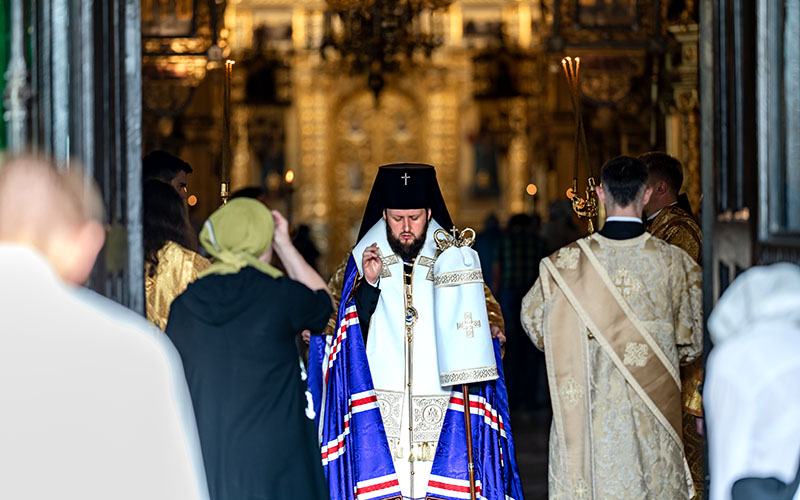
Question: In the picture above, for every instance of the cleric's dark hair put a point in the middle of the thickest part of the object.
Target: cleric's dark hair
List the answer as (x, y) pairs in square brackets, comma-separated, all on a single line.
[(664, 167), (164, 219), (163, 165), (623, 179)]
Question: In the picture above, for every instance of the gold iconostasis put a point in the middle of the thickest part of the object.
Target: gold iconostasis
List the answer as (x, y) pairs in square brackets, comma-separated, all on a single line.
[(322, 92)]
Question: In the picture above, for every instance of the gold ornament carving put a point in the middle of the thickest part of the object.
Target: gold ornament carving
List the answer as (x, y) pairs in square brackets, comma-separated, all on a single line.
[(632, 21)]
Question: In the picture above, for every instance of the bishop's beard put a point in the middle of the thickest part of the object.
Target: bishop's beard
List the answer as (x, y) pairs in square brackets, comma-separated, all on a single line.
[(410, 251)]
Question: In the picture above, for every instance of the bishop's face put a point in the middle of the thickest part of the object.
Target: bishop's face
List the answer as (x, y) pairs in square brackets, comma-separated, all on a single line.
[(406, 230)]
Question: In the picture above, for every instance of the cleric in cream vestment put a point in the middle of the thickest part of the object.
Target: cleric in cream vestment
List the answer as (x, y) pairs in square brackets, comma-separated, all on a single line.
[(616, 314)]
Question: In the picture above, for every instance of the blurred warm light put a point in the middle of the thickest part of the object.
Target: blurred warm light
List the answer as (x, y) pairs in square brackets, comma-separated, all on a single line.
[(192, 200), (289, 177), (531, 189)]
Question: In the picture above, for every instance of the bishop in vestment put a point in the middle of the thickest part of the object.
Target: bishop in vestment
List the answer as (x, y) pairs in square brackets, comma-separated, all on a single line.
[(616, 314), (673, 223), (394, 299)]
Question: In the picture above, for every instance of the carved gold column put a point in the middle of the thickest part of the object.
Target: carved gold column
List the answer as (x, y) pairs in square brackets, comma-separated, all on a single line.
[(312, 186), (242, 172), (517, 156), (442, 143), (683, 121)]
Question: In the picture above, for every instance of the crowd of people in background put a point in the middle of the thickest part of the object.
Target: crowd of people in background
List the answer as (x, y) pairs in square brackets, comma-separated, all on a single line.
[(510, 263)]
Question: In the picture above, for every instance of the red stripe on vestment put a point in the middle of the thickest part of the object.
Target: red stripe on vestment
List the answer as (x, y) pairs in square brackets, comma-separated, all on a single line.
[(349, 317), (453, 487), (380, 486), (364, 401), (334, 446), (484, 408)]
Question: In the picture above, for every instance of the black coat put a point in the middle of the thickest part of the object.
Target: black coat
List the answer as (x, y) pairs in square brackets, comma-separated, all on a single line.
[(236, 336)]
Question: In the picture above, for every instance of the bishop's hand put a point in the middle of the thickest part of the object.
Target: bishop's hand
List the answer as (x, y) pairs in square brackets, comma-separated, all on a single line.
[(372, 264), (497, 333)]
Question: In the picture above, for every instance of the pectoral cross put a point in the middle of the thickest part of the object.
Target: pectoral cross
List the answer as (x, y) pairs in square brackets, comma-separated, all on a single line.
[(405, 178), (468, 325)]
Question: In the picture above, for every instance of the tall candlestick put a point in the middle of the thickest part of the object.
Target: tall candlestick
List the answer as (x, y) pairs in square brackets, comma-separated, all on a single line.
[(583, 207), (225, 177)]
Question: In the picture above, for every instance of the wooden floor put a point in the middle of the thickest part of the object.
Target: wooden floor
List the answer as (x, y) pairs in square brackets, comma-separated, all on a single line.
[(531, 431)]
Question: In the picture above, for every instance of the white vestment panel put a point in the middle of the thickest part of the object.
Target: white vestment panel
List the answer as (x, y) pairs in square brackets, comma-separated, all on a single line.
[(463, 337), (94, 401)]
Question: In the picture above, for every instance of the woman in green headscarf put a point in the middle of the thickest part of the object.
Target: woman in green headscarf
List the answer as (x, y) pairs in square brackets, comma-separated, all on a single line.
[(235, 330)]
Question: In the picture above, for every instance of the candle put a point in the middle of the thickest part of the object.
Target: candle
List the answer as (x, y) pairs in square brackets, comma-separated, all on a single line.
[(225, 176)]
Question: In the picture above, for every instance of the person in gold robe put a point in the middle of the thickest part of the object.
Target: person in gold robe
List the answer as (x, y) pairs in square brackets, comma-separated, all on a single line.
[(672, 222), (171, 250), (616, 314)]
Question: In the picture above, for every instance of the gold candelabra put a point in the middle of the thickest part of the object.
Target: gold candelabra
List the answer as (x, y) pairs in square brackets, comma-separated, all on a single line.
[(584, 207)]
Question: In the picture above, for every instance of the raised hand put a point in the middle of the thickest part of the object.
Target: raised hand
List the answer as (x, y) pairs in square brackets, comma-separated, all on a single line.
[(281, 237), (372, 264)]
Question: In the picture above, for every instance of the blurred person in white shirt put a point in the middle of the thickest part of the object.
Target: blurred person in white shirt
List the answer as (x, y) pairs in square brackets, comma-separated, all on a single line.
[(94, 401), (752, 389)]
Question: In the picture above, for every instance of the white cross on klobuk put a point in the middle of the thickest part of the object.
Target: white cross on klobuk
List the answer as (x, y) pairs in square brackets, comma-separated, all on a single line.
[(405, 178), (468, 325)]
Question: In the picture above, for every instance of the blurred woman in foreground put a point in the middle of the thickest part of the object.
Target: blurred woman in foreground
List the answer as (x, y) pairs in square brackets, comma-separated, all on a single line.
[(235, 328)]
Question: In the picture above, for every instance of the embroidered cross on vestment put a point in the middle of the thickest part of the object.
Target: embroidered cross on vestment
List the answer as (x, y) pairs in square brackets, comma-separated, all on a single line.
[(468, 325), (387, 261)]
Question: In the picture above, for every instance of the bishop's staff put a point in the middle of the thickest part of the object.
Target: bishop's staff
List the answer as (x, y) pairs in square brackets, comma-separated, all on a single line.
[(225, 175), (583, 207), (463, 340)]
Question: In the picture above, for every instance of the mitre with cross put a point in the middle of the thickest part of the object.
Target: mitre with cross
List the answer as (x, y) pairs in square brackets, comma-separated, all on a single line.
[(463, 338), (405, 186)]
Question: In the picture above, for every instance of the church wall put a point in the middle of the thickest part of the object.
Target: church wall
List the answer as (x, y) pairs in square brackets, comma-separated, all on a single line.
[(74, 95)]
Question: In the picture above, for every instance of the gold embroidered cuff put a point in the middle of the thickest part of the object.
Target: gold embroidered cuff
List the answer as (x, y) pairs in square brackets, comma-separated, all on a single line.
[(473, 375)]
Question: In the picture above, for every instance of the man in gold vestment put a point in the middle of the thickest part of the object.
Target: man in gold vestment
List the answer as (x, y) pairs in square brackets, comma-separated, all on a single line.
[(616, 314), (667, 220)]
